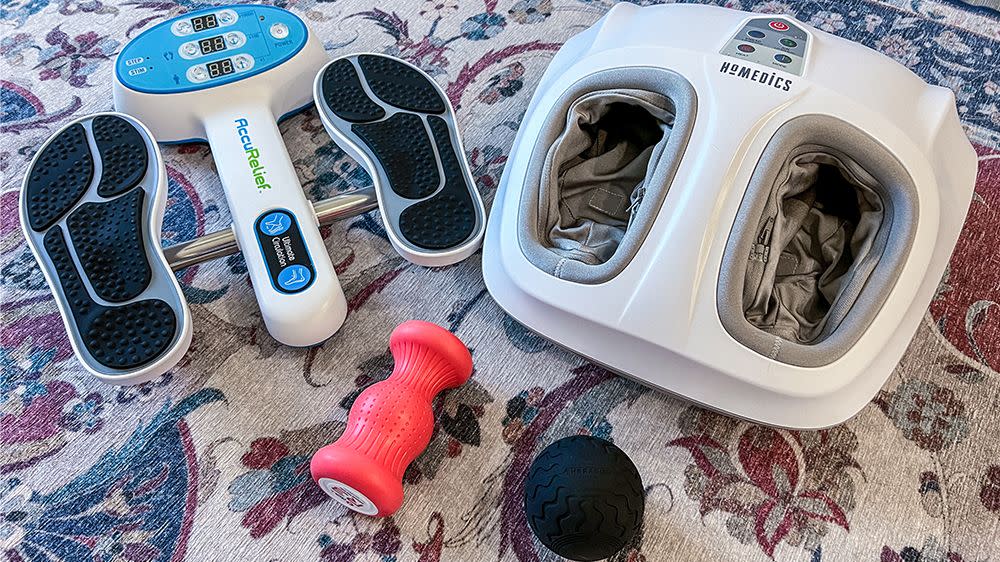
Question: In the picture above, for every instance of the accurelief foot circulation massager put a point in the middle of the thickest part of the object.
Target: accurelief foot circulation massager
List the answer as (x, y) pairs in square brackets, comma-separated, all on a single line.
[(737, 208), (224, 75), (92, 202)]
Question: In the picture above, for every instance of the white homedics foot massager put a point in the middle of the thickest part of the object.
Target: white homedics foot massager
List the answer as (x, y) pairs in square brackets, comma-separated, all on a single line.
[(736, 208), (93, 200)]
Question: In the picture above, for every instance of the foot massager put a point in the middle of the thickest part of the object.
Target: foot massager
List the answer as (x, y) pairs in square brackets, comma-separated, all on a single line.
[(92, 202), (737, 208)]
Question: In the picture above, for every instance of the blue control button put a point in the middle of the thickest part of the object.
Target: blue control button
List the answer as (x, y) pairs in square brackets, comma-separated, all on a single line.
[(756, 34), (294, 277), (785, 59), (275, 224)]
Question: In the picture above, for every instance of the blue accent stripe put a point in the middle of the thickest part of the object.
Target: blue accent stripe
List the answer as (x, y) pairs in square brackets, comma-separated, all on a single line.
[(160, 69)]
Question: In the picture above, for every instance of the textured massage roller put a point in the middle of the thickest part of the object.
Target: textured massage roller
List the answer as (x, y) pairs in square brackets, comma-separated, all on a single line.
[(392, 421), (93, 200)]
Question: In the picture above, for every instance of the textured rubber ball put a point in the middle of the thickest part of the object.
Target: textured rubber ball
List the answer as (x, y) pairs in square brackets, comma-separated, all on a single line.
[(583, 498)]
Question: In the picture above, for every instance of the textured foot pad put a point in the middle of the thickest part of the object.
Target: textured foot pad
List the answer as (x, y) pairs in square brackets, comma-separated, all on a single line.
[(344, 95), (399, 84), (59, 178), (402, 146), (451, 215), (122, 337), (394, 114), (123, 155), (109, 244), (88, 199)]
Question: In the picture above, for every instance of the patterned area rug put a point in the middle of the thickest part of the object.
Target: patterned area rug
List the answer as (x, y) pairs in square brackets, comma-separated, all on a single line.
[(211, 461)]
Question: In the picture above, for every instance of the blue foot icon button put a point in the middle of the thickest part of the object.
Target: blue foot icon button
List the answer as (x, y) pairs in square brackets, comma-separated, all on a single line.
[(294, 278), (275, 224)]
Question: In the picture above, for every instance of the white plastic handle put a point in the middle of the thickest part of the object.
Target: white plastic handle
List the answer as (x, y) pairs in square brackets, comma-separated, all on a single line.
[(300, 296)]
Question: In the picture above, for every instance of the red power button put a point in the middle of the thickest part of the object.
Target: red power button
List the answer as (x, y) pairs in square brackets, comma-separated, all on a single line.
[(778, 26)]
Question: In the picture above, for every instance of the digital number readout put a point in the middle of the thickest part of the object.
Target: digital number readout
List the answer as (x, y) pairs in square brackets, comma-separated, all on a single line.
[(201, 23), (220, 68), (212, 44)]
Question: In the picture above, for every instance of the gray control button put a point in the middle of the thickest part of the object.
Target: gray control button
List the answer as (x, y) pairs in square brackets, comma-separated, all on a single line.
[(279, 31), (242, 62), (197, 73)]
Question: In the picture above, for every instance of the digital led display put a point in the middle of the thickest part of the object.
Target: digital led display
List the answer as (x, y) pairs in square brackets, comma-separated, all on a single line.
[(207, 21), (220, 68), (212, 44)]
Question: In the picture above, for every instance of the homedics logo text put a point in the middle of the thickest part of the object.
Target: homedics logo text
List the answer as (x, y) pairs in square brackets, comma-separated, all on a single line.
[(756, 75)]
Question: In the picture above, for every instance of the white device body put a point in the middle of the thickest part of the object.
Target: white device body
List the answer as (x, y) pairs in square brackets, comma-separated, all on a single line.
[(216, 114), (657, 321)]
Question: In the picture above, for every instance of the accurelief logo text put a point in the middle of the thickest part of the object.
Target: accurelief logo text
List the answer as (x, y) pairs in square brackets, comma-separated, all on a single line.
[(253, 155)]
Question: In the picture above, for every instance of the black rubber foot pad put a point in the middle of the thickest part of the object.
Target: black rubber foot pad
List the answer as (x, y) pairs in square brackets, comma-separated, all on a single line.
[(448, 218), (59, 178), (109, 245), (401, 145), (122, 337), (123, 155), (344, 95), (400, 85), (90, 196), (423, 184)]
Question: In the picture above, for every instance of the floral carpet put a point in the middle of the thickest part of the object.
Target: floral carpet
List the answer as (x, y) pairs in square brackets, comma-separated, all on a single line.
[(210, 462)]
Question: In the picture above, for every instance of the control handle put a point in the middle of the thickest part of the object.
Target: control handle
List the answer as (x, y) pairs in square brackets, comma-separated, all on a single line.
[(300, 297)]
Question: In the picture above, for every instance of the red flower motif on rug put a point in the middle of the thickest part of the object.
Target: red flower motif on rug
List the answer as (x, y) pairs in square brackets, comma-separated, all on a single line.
[(776, 485), (965, 309)]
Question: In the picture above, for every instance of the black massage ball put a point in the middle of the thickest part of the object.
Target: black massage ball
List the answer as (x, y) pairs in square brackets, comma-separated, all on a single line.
[(583, 498)]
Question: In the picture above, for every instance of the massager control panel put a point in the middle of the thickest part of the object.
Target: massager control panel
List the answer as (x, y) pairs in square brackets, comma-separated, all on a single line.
[(285, 253), (771, 41), (209, 48)]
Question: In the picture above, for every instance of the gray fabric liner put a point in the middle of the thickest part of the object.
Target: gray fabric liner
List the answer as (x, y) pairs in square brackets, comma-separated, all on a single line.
[(862, 289), (595, 173), (818, 240), (660, 91)]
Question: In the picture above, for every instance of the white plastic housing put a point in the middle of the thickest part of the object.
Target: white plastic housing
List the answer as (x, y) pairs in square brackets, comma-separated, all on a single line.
[(300, 319), (657, 321)]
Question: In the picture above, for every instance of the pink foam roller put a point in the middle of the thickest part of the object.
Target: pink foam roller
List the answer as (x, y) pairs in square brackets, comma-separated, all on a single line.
[(392, 421)]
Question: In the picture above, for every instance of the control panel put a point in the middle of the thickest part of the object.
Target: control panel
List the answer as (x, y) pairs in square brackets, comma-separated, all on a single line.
[(771, 41), (209, 48), (288, 262)]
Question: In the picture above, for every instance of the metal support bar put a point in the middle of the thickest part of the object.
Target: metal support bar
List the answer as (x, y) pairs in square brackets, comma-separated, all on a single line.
[(223, 243)]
